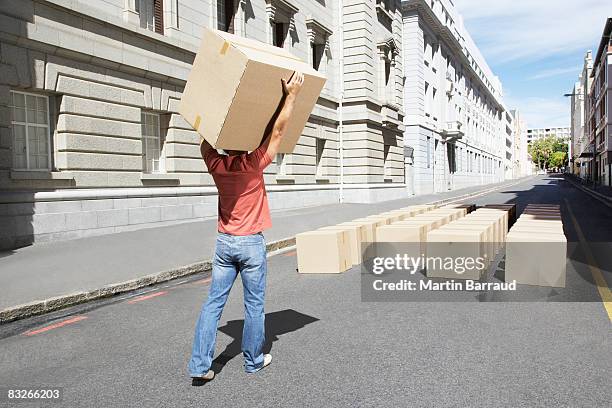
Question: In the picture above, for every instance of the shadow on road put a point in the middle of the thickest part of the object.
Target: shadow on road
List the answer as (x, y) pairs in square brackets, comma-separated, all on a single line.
[(277, 324)]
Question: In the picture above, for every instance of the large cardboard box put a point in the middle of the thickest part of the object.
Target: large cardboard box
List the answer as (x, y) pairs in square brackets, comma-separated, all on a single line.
[(536, 258), (406, 232), (490, 227), (323, 251), (444, 243), (234, 90), (355, 235)]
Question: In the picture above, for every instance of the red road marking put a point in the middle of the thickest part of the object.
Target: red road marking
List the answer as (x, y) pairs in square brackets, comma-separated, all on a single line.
[(205, 280), (291, 253), (145, 297), (55, 325)]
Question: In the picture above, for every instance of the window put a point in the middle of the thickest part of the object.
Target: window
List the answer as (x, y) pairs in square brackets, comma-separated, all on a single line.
[(386, 162), (317, 54), (281, 164), (428, 153), (387, 71), (225, 15), (151, 14), (31, 137), (279, 32), (151, 143), (320, 149)]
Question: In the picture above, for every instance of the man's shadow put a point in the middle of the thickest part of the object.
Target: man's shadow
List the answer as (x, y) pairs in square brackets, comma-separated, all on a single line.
[(277, 324)]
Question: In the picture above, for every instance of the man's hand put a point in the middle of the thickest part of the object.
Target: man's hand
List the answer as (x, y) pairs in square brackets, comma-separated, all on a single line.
[(294, 85), (291, 88)]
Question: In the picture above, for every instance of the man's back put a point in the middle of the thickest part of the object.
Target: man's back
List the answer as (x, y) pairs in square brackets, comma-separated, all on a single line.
[(243, 202)]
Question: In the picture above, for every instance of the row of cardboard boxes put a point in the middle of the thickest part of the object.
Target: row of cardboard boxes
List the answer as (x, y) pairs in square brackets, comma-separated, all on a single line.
[(458, 231), (336, 248), (536, 253)]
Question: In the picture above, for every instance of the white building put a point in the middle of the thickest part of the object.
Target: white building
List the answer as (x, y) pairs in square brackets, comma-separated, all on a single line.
[(455, 120), (522, 164), (509, 144), (562, 133), (91, 141)]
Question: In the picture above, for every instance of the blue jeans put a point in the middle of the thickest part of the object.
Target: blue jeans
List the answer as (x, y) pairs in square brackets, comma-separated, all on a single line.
[(233, 254)]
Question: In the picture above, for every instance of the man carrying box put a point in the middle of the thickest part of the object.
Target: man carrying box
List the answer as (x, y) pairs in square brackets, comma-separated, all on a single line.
[(240, 247)]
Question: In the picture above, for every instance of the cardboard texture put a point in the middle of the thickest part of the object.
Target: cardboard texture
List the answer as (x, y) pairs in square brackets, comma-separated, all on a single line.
[(438, 220), (387, 218), (234, 89), (442, 243), (429, 225), (455, 213), (497, 220), (504, 215), (355, 235), (323, 251), (511, 208), (491, 244), (469, 207), (374, 223), (530, 262), (367, 227), (409, 239)]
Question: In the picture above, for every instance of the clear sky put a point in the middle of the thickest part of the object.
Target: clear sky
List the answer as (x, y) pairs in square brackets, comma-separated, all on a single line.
[(537, 49)]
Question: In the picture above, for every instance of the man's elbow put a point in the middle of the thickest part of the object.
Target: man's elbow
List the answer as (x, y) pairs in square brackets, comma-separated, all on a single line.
[(277, 134)]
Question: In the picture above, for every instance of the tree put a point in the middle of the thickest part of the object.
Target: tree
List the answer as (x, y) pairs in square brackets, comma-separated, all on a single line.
[(558, 159), (540, 151), (548, 151)]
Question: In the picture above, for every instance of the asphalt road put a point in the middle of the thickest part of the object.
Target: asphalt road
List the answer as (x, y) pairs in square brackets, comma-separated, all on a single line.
[(330, 348)]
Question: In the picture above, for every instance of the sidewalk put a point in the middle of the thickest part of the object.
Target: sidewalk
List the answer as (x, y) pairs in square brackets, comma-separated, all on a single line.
[(49, 276), (602, 193)]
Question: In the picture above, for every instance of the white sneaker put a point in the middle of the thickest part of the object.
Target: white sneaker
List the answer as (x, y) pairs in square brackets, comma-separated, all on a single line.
[(267, 361), (207, 377)]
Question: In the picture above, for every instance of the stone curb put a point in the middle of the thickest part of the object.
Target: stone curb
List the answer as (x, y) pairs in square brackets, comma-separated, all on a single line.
[(598, 196), (39, 307)]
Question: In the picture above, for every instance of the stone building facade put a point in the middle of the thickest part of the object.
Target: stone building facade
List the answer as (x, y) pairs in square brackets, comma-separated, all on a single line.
[(91, 141), (456, 127), (599, 119)]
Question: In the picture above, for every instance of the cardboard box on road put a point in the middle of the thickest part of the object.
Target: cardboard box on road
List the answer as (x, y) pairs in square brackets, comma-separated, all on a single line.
[(355, 233), (234, 90), (405, 232), (444, 243), (323, 251), (490, 227), (536, 258)]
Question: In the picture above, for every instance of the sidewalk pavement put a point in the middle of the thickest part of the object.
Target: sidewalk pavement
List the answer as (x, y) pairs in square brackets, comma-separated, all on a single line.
[(601, 193), (49, 276)]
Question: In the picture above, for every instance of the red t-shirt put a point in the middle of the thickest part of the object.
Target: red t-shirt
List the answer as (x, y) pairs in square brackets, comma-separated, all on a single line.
[(243, 202)]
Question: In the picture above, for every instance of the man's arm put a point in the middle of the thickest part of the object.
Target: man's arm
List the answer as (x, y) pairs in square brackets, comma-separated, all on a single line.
[(204, 147), (291, 89)]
